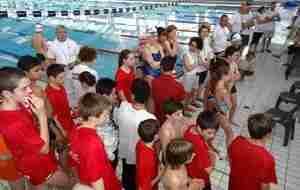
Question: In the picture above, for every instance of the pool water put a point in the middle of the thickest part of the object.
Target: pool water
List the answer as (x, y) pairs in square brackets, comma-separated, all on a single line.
[(15, 34)]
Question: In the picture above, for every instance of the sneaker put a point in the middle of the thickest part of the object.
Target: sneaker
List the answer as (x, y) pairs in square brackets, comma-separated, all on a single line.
[(268, 50)]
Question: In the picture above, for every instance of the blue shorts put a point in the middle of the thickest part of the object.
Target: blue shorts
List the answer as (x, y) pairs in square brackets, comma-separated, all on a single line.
[(150, 71)]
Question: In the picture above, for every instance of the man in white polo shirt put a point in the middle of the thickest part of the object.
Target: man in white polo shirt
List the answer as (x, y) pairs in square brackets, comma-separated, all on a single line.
[(221, 36), (128, 118), (62, 50)]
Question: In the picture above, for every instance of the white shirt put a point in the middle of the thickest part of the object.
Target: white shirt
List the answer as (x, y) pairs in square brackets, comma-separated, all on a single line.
[(221, 35), (128, 120), (63, 52), (77, 87), (207, 51), (237, 20)]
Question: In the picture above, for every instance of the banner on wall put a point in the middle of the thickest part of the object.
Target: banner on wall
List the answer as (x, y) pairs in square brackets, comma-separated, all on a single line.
[(39, 13)]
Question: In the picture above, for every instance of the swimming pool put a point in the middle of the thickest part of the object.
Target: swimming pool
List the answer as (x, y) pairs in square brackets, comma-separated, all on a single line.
[(113, 31)]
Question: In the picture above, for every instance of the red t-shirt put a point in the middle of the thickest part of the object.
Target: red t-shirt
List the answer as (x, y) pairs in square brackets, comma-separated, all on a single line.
[(146, 166), (22, 137), (60, 105), (88, 154), (124, 82), (251, 165), (201, 161), (164, 88)]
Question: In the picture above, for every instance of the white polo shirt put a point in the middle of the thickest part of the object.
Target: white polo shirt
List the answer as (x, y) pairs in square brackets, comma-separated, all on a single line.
[(128, 120), (63, 52), (220, 37)]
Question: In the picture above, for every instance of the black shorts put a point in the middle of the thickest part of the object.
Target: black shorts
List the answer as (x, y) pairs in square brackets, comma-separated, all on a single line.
[(245, 40), (256, 37), (233, 90), (202, 77)]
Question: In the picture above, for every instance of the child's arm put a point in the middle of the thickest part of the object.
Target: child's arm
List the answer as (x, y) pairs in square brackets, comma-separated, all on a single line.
[(229, 135), (186, 63), (161, 171), (196, 184), (37, 105), (59, 126), (147, 55), (98, 185)]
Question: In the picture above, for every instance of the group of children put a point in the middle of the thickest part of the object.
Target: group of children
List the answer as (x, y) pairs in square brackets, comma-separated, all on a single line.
[(52, 141)]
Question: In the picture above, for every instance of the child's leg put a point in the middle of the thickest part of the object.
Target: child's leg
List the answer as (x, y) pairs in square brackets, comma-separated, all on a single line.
[(234, 103), (19, 184), (59, 179)]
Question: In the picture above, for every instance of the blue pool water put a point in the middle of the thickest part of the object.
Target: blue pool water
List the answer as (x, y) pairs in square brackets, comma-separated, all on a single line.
[(15, 35)]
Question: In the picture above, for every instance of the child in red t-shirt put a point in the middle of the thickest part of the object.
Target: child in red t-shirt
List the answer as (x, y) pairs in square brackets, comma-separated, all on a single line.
[(27, 138), (125, 75), (179, 152), (86, 148), (199, 135), (252, 166), (58, 99), (147, 163)]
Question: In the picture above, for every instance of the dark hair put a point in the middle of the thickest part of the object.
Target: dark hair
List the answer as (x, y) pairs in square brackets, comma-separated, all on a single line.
[(148, 129), (123, 55), (223, 16), (198, 41), (92, 104), (170, 106), (218, 68), (161, 31), (259, 125), (87, 54), (41, 57), (208, 120), (170, 28), (168, 63), (87, 78), (10, 78), (105, 86), (229, 51), (27, 62), (55, 69), (178, 152), (261, 9), (201, 28), (140, 90)]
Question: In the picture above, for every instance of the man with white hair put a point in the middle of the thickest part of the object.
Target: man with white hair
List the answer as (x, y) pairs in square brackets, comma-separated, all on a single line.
[(39, 43), (62, 50)]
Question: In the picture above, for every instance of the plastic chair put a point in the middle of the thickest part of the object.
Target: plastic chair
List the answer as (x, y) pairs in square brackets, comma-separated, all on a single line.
[(285, 119)]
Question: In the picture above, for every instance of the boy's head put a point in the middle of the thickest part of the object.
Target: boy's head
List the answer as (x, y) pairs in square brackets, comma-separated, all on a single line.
[(14, 85), (140, 90), (55, 73), (167, 64), (87, 79), (259, 126), (31, 66), (87, 54), (94, 107), (178, 153), (232, 53), (173, 109), (148, 130), (107, 87), (208, 122)]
